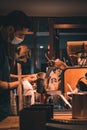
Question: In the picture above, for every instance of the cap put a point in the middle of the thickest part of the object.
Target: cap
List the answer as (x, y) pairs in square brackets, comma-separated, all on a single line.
[(18, 19)]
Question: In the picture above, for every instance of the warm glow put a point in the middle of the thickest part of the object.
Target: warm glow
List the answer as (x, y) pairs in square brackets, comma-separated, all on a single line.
[(48, 47), (36, 62), (27, 31), (66, 26)]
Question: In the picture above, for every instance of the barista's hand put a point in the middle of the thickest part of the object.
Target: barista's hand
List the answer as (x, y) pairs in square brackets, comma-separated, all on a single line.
[(30, 78)]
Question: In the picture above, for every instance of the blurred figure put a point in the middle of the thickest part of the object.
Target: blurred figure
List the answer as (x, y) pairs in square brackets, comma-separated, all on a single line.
[(22, 55), (13, 29)]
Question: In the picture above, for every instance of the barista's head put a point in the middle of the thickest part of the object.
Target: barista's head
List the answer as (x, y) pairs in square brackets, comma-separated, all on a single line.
[(16, 25)]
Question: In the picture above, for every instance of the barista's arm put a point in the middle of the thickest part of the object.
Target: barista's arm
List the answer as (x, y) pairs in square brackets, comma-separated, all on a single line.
[(9, 85), (29, 77), (17, 76)]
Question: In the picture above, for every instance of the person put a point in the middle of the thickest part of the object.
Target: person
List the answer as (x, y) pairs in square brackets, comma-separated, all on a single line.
[(22, 55), (13, 29)]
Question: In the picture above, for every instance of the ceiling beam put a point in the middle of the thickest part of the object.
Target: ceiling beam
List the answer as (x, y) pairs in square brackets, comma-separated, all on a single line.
[(55, 8)]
